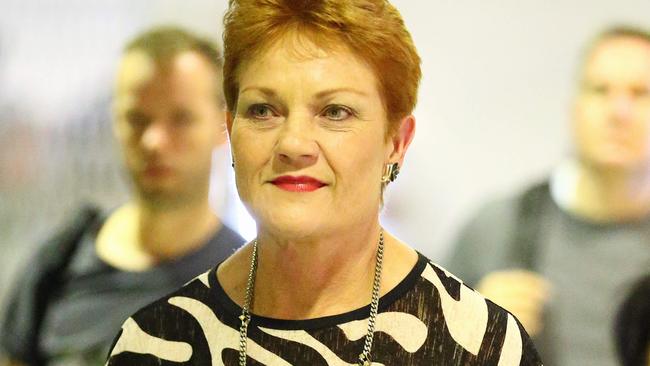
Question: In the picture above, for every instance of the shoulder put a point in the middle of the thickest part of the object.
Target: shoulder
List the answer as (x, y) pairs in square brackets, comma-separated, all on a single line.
[(226, 235), (226, 232), (505, 210), (476, 323), (55, 251), (167, 329), (64, 239), (29, 296), (492, 230), (196, 291)]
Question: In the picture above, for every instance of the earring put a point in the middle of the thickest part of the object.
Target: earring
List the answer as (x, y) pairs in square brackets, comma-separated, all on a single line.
[(391, 172)]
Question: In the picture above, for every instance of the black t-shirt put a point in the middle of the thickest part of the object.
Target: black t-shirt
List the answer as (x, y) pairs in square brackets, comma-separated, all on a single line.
[(93, 299), (430, 318)]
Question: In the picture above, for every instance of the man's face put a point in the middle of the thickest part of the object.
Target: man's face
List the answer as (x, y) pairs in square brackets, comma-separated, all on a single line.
[(168, 121), (612, 109)]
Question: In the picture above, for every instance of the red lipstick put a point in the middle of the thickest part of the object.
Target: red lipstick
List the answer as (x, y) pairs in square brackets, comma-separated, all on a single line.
[(297, 184)]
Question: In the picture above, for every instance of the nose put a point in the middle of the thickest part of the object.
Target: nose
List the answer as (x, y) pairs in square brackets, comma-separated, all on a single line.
[(296, 145), (621, 107), (155, 137)]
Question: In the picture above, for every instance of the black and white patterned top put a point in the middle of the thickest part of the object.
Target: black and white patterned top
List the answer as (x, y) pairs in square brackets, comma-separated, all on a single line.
[(430, 318)]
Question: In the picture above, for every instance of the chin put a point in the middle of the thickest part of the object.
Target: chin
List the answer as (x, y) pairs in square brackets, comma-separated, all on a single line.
[(293, 222), (619, 162), (161, 194), (295, 225)]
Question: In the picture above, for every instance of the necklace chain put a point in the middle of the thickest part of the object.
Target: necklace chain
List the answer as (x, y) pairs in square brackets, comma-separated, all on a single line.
[(245, 317)]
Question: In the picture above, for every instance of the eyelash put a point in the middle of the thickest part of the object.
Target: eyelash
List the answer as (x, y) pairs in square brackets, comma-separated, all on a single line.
[(339, 107), (250, 112), (251, 109)]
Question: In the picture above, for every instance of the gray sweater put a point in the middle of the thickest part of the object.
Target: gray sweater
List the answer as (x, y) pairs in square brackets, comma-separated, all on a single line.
[(591, 267)]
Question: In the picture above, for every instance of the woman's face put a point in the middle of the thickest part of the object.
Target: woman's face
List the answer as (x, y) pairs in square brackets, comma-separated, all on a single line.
[(308, 140)]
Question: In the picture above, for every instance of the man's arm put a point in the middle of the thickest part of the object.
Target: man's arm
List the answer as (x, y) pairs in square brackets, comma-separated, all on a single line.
[(483, 258)]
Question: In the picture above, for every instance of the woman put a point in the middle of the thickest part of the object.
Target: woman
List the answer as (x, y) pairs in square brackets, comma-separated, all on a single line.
[(320, 95), (632, 326)]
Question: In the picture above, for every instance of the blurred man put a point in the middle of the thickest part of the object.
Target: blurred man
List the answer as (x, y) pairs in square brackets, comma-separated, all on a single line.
[(168, 119), (562, 255)]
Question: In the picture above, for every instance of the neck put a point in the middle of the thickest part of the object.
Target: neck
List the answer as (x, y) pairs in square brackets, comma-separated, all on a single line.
[(314, 278), (301, 280), (611, 195), (171, 232)]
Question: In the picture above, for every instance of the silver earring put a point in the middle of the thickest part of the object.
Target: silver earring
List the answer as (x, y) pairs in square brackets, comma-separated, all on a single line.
[(391, 172)]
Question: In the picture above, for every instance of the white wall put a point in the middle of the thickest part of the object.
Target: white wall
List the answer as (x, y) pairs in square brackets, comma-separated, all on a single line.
[(494, 103), (493, 106)]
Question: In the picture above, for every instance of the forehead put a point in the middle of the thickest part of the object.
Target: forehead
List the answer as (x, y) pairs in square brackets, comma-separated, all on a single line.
[(294, 61), (139, 72), (622, 58)]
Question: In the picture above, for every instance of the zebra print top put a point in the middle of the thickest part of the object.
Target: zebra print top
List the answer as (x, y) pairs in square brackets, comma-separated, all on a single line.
[(430, 318)]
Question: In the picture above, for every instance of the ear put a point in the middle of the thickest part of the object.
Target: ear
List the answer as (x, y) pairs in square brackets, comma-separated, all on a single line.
[(401, 140)]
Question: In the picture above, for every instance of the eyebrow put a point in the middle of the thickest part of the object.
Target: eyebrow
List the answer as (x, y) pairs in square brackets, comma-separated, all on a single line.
[(266, 91), (320, 95)]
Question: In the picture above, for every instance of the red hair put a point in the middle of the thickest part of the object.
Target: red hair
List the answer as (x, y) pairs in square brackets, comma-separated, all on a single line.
[(373, 30)]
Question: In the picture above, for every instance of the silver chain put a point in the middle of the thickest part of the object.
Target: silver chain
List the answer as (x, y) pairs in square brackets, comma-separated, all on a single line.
[(245, 317)]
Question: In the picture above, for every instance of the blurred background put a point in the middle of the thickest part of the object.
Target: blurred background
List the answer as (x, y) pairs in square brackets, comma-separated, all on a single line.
[(492, 115)]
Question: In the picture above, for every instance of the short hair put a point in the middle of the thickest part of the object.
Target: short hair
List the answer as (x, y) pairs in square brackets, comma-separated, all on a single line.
[(372, 29), (632, 326), (163, 43), (617, 31), (622, 31)]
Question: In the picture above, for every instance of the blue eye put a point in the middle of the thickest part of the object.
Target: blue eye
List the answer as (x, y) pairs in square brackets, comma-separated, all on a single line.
[(337, 112), (260, 111)]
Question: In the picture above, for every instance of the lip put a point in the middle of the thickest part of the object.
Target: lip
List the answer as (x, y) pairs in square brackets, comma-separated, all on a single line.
[(157, 171), (301, 183)]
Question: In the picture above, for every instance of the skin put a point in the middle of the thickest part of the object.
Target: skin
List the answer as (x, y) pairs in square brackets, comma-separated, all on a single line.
[(324, 119), (167, 121), (611, 125), (612, 132)]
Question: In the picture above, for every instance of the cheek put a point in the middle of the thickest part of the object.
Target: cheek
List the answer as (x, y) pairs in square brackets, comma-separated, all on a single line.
[(247, 148), (641, 132), (643, 119), (129, 143), (587, 121), (124, 134), (249, 152), (358, 164)]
